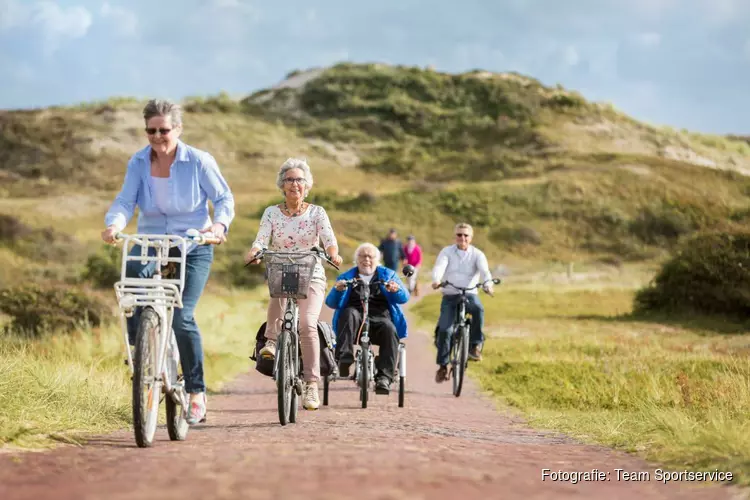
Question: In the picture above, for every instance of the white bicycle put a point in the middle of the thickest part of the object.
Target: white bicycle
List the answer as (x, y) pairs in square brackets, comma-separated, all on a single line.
[(155, 362)]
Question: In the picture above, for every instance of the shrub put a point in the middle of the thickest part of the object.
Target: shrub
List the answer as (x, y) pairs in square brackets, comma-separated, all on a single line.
[(35, 309), (103, 268), (658, 225), (709, 274), (12, 229), (518, 235)]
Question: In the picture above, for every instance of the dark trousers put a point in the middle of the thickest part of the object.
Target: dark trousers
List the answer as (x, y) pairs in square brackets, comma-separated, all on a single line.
[(382, 333), (185, 328)]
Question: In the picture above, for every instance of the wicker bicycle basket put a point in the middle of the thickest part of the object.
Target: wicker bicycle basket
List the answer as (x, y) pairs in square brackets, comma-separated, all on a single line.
[(289, 275)]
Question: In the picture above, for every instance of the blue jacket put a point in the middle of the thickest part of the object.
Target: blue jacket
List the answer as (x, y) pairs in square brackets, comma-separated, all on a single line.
[(338, 300)]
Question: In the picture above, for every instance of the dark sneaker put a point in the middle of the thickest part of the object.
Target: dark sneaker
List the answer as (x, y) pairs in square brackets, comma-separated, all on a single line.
[(382, 386), (475, 353), (442, 374)]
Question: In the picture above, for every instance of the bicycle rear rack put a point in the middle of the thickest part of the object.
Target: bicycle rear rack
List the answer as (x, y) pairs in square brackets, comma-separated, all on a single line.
[(134, 292)]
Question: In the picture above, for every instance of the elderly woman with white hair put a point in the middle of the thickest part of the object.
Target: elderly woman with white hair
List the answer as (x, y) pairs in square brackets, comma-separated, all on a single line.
[(296, 226), (387, 322)]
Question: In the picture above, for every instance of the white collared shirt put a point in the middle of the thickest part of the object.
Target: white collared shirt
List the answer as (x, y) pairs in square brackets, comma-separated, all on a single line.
[(461, 267)]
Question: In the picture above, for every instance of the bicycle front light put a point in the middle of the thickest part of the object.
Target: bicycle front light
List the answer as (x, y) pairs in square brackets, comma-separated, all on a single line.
[(127, 302)]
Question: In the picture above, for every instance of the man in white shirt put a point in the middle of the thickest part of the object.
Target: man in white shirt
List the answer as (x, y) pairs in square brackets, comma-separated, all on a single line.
[(461, 264)]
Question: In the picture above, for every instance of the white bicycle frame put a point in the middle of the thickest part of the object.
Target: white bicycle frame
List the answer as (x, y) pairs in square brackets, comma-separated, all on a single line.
[(163, 295)]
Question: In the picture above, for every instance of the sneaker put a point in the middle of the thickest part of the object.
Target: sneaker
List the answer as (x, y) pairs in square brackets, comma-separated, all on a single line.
[(442, 374), (382, 385), (475, 353), (197, 410), (269, 350), (310, 400)]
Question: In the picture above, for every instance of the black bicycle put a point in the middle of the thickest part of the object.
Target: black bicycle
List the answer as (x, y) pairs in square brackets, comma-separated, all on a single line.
[(289, 275), (364, 358), (459, 351)]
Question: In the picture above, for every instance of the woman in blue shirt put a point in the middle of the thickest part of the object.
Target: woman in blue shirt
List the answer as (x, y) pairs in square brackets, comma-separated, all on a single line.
[(171, 183)]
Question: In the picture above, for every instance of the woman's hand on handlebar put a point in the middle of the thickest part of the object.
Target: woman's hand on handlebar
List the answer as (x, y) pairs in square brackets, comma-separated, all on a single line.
[(219, 232), (108, 235), (333, 255), (250, 256), (436, 285)]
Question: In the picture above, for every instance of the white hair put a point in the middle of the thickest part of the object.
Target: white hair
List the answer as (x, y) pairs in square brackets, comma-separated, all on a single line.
[(367, 246), (292, 163)]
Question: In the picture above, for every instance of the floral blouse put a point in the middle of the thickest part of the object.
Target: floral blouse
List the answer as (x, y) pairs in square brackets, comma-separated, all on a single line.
[(296, 234)]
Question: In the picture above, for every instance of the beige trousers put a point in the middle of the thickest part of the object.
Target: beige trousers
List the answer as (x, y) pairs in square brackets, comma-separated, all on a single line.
[(309, 312)]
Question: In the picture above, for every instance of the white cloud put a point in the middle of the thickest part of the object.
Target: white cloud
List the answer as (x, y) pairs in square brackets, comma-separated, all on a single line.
[(57, 23), (647, 39), (125, 21), (73, 22)]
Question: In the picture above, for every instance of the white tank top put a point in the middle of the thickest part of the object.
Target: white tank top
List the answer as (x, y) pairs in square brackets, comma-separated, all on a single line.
[(160, 189)]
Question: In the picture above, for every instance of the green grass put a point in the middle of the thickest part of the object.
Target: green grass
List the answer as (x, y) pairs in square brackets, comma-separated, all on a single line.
[(64, 388), (573, 360)]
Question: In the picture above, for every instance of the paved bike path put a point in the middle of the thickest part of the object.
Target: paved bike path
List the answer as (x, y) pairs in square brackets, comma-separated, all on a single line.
[(436, 447)]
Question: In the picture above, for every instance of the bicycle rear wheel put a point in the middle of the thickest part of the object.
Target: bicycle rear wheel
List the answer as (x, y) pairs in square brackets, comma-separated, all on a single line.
[(460, 357), (283, 377), (146, 387), (177, 425)]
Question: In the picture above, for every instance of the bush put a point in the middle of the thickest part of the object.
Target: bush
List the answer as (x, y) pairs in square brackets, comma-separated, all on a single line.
[(516, 235), (35, 309), (12, 229), (659, 225), (709, 274), (103, 269)]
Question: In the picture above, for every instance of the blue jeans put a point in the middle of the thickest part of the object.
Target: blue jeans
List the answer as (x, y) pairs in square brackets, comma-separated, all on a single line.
[(183, 322), (448, 308)]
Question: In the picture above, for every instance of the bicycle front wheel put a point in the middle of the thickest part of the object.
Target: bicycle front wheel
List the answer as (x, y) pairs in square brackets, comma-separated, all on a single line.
[(364, 352), (146, 387), (460, 358), (284, 377)]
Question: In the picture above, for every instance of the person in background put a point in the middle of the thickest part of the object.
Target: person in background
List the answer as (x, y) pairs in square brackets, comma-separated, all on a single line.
[(392, 250), (461, 264), (413, 257)]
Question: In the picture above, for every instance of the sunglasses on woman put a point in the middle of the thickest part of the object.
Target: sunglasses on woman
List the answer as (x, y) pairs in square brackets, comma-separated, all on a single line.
[(162, 131)]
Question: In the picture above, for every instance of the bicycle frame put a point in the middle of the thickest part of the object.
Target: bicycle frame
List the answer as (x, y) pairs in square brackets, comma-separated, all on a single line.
[(161, 294)]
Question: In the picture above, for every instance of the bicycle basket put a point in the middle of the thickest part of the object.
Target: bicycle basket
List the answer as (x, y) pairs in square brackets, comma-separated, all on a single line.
[(289, 275)]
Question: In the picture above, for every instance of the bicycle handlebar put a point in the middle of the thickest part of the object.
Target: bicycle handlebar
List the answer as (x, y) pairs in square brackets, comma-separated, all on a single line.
[(192, 236), (463, 289), (317, 251)]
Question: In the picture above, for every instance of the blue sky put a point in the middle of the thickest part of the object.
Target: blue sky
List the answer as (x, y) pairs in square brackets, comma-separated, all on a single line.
[(684, 63)]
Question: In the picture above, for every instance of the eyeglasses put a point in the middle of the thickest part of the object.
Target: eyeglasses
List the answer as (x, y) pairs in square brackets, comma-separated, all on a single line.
[(291, 180), (162, 131), (462, 235), (366, 256)]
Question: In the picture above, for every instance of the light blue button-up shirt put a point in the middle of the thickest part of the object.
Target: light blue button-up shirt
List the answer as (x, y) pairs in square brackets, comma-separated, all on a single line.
[(193, 180)]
